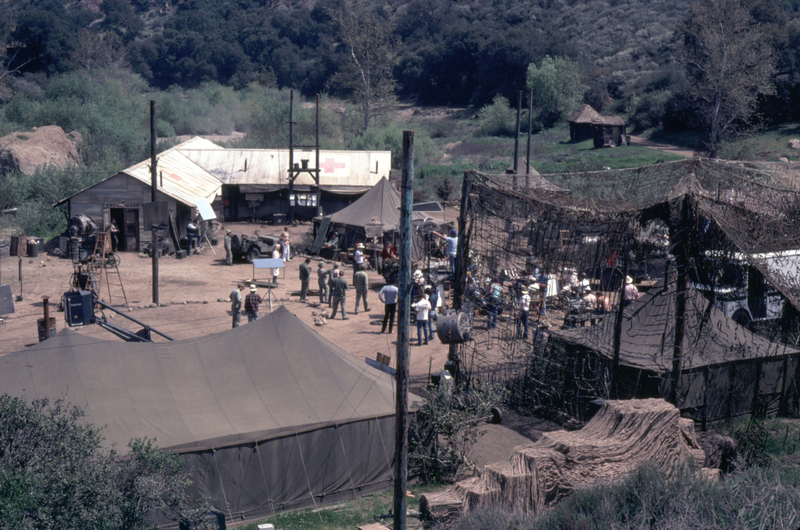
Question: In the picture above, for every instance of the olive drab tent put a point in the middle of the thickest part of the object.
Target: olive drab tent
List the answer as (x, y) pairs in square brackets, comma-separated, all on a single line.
[(270, 416)]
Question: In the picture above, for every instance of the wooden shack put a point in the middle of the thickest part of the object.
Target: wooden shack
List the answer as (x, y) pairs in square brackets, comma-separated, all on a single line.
[(606, 131)]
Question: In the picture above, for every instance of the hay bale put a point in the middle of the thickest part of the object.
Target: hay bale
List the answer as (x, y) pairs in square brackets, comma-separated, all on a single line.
[(621, 437)]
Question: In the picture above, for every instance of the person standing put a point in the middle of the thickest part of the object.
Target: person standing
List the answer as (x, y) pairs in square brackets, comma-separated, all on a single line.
[(334, 270), (236, 304), (361, 283), (228, 242), (631, 293), (433, 297), (338, 295), (286, 241), (305, 277), (114, 229), (251, 303), (452, 247), (422, 307), (192, 234), (524, 310), (358, 259), (276, 254), (322, 282), (493, 294), (388, 295), (543, 279)]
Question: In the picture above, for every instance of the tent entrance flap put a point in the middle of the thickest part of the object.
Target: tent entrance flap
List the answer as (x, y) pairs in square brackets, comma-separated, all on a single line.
[(322, 231)]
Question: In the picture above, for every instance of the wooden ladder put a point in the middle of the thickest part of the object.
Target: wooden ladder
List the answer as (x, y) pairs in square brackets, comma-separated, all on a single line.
[(103, 269)]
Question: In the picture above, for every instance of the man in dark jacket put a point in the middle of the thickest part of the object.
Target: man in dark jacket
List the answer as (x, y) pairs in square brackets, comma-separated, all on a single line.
[(338, 295), (251, 303), (305, 277)]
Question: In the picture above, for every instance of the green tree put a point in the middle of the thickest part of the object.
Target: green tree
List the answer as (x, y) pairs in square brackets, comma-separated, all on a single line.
[(55, 474), (729, 65), (498, 118), (558, 88), (371, 46)]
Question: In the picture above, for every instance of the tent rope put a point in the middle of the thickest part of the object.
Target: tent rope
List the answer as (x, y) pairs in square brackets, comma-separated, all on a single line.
[(266, 485), (305, 472)]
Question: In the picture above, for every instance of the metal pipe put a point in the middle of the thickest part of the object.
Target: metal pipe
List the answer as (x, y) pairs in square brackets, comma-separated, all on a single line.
[(403, 334), (117, 311)]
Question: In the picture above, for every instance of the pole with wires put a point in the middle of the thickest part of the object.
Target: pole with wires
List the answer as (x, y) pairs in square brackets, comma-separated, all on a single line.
[(403, 335)]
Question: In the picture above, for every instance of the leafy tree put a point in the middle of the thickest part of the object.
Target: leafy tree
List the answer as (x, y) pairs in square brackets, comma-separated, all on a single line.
[(557, 88), (498, 119), (371, 44), (729, 65), (55, 474)]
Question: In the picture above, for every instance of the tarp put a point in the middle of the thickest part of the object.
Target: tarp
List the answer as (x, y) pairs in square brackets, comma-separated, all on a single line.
[(270, 415), (648, 334), (381, 202)]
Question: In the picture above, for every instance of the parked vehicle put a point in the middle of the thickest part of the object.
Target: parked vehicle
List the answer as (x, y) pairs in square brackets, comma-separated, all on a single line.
[(253, 247)]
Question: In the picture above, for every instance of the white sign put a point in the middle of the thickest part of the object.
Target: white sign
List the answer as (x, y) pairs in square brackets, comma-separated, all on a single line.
[(254, 197)]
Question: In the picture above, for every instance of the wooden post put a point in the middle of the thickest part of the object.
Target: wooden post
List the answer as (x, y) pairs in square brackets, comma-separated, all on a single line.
[(46, 306), (528, 154), (618, 334), (153, 196), (682, 265), (403, 335), (292, 174)]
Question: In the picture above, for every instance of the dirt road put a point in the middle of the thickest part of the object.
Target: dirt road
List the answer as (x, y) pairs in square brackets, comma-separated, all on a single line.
[(667, 148)]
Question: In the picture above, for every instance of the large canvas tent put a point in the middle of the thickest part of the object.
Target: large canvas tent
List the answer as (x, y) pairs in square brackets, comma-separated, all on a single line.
[(379, 206), (269, 416), (716, 350)]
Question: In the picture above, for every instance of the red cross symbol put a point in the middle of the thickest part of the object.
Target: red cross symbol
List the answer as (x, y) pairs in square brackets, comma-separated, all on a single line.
[(329, 165)]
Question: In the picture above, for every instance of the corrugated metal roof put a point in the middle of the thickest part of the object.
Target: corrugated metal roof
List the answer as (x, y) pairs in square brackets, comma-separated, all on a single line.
[(270, 166), (178, 176)]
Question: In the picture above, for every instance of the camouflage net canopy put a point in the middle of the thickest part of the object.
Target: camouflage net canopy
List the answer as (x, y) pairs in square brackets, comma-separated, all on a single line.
[(712, 247)]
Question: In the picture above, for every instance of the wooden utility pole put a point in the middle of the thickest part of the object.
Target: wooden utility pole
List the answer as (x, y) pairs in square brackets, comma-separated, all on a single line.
[(403, 335), (528, 154), (153, 195)]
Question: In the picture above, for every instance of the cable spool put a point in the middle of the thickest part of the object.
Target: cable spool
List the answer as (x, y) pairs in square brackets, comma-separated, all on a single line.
[(454, 328), (426, 230)]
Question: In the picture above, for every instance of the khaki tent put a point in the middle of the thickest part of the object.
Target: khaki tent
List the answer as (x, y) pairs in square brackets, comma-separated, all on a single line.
[(270, 416)]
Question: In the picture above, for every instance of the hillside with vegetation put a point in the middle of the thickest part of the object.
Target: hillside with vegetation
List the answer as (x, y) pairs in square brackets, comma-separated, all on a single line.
[(91, 66)]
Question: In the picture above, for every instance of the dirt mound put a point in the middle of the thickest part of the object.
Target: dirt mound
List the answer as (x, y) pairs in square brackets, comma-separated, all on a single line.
[(26, 151), (623, 436)]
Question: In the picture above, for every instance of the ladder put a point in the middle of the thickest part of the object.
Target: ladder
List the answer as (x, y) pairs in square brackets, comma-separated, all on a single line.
[(103, 269)]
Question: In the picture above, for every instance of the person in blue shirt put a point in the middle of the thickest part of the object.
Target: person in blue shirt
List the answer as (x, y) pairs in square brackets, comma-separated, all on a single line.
[(452, 246)]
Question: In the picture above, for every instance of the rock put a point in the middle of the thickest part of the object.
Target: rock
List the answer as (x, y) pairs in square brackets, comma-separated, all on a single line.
[(784, 159), (26, 151), (794, 143)]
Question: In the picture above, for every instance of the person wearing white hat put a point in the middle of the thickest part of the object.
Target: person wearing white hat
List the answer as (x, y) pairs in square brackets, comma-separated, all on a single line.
[(358, 259), (251, 303), (630, 293)]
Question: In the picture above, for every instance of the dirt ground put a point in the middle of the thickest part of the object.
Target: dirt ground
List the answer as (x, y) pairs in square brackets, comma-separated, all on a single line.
[(194, 301)]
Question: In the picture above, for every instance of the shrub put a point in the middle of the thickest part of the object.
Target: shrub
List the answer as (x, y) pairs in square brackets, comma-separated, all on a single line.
[(498, 119)]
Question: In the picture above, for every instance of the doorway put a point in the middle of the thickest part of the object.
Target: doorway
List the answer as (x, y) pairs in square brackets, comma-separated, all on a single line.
[(128, 222)]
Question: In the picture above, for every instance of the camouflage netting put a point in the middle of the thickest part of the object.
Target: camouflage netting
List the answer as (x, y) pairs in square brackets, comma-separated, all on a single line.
[(713, 248), (623, 436)]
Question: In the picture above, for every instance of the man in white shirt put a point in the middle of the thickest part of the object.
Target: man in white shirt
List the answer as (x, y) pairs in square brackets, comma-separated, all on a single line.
[(388, 295), (631, 293), (422, 307), (524, 310)]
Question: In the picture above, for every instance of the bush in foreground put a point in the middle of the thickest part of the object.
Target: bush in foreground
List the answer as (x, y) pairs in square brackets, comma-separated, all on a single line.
[(752, 498), (54, 473)]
